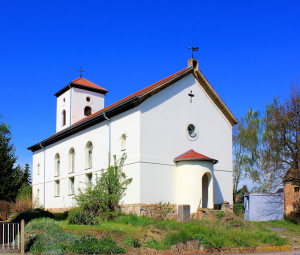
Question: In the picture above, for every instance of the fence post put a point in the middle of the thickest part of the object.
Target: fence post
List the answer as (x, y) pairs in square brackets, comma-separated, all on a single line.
[(22, 236)]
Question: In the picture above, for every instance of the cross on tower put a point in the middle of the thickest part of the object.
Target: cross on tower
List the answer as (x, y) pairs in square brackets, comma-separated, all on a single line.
[(191, 95), (81, 71)]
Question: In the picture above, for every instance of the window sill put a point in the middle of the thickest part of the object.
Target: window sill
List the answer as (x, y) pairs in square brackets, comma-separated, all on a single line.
[(56, 195), (88, 168), (72, 194)]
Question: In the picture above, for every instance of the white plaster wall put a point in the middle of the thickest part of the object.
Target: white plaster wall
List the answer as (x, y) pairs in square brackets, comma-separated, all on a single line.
[(60, 106), (99, 136), (189, 183), (79, 103), (164, 118), (38, 179)]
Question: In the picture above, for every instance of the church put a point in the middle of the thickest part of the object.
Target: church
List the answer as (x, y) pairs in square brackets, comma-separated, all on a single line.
[(176, 134)]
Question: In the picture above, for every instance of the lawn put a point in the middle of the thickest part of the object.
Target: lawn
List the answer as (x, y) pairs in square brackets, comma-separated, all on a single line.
[(164, 234), (285, 229), (130, 233)]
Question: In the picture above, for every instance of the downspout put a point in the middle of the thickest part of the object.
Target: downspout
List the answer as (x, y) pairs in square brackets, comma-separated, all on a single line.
[(109, 138), (44, 177)]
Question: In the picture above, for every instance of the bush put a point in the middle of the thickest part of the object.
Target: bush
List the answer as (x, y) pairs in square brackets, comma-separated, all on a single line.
[(78, 217), (32, 214), (102, 199), (239, 209), (61, 215), (44, 236), (88, 244)]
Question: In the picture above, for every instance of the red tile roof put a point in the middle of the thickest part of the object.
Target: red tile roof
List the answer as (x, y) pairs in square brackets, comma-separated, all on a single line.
[(85, 82), (138, 93), (160, 84), (193, 155)]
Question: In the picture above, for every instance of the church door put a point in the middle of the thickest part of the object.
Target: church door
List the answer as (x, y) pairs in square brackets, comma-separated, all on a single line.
[(205, 180)]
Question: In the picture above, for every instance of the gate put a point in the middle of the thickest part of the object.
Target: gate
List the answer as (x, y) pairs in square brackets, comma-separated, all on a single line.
[(12, 237)]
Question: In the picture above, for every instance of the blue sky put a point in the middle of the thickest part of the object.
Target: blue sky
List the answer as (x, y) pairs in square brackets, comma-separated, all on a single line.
[(248, 50)]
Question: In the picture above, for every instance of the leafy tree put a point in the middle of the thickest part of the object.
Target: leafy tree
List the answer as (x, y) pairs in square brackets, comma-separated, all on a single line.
[(284, 132), (12, 178), (238, 161), (103, 198), (258, 160)]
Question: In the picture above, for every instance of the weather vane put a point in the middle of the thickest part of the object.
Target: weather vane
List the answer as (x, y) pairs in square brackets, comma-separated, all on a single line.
[(81, 71), (193, 49)]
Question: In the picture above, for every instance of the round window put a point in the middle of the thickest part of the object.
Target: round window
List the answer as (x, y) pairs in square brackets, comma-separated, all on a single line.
[(88, 99), (191, 130)]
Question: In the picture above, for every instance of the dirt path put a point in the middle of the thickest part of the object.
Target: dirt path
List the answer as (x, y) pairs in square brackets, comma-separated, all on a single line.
[(293, 236)]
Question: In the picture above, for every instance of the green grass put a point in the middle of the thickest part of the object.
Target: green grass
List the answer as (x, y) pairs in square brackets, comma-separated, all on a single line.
[(284, 228), (162, 234), (281, 223), (134, 232)]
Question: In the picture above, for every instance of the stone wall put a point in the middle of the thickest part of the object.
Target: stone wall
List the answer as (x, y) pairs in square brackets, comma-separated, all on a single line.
[(55, 210), (160, 210), (290, 197)]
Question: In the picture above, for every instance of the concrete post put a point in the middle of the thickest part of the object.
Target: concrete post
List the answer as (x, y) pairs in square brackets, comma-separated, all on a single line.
[(22, 236), (184, 212)]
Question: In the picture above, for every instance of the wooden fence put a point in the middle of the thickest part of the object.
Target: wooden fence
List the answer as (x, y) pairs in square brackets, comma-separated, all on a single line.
[(12, 238)]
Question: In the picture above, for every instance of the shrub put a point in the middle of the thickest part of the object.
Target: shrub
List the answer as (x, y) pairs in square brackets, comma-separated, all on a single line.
[(78, 217), (102, 199), (88, 244), (61, 215), (44, 236), (238, 209), (32, 214)]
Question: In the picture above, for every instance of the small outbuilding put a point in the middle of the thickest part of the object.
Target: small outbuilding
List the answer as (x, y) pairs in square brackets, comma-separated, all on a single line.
[(263, 206)]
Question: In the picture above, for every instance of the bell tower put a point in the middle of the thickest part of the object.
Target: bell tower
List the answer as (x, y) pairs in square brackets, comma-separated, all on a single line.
[(76, 101)]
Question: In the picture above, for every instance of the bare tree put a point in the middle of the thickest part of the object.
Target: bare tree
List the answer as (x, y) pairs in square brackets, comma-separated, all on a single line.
[(284, 132), (238, 161)]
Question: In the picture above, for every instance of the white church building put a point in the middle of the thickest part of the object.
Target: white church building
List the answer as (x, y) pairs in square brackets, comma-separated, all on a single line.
[(176, 133)]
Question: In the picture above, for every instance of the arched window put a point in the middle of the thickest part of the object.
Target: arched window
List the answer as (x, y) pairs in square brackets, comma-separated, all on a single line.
[(87, 111), (123, 142), (89, 155), (63, 117), (38, 195), (71, 160), (57, 164), (38, 169)]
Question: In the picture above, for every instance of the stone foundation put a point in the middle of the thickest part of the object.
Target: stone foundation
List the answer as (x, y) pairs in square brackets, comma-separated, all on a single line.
[(60, 210), (160, 210)]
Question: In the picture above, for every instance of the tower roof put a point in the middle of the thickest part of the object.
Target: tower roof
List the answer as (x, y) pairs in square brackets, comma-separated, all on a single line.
[(193, 155), (82, 84), (133, 100)]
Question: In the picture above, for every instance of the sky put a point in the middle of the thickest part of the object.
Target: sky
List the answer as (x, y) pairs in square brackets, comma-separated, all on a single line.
[(248, 50)]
